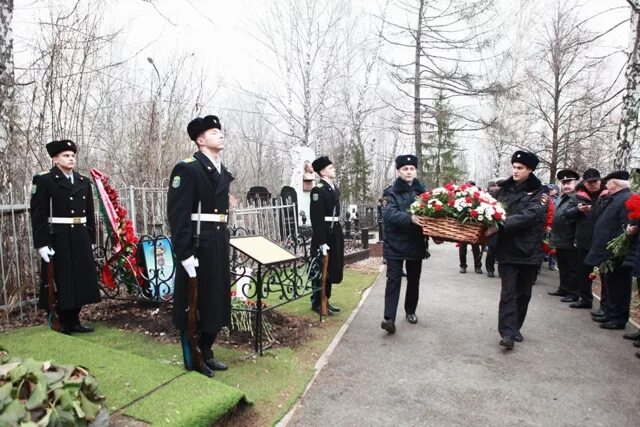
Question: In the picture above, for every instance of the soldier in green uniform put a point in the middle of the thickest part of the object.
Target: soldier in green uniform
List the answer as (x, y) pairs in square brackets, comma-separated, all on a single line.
[(63, 224), (327, 232), (199, 189)]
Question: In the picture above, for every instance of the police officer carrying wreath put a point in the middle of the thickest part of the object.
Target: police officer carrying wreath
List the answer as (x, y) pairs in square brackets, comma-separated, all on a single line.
[(404, 243), (63, 224), (519, 243), (327, 232), (199, 193)]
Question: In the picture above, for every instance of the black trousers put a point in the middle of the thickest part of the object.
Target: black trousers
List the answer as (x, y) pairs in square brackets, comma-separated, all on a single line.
[(517, 280), (568, 266), (316, 296), (70, 317), (618, 294), (392, 291), (490, 260), (584, 270), (477, 255)]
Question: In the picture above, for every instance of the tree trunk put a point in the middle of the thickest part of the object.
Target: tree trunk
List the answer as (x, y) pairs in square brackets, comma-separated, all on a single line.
[(417, 110), (630, 100), (6, 72)]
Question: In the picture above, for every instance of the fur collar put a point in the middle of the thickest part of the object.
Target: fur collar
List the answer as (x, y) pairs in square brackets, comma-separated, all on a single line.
[(532, 183), (401, 186)]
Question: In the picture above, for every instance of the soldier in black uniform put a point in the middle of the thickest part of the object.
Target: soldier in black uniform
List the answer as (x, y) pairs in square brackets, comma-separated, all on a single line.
[(327, 231), (201, 183), (519, 243), (63, 223)]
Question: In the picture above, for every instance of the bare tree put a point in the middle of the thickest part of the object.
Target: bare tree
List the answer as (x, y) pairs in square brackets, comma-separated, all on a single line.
[(6, 81), (631, 98), (563, 91), (445, 38), (304, 43)]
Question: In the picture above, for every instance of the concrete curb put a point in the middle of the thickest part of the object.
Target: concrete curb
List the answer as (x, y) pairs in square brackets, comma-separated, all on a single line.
[(324, 358)]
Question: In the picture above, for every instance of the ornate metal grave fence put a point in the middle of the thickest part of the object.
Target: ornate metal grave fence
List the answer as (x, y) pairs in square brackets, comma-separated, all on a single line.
[(252, 284)]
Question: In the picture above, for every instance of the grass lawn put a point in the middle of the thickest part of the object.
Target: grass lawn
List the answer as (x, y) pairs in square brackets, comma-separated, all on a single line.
[(146, 378)]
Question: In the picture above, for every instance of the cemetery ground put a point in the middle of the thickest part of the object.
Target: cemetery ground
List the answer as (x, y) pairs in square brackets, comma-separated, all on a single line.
[(136, 357)]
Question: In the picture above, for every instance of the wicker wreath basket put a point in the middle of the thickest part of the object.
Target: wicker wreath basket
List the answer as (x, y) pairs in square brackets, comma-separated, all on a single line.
[(450, 230)]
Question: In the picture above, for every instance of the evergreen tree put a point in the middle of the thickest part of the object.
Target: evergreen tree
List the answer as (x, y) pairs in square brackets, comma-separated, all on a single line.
[(440, 152)]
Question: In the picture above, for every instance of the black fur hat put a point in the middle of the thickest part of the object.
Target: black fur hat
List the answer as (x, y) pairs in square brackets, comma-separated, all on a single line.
[(56, 147), (201, 124), (526, 158)]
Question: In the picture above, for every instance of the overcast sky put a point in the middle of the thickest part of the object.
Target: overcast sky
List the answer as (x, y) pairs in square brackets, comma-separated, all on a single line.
[(218, 33)]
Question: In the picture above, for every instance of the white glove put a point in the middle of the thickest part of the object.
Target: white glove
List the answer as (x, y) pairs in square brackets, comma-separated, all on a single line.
[(190, 265), (45, 252), (324, 248)]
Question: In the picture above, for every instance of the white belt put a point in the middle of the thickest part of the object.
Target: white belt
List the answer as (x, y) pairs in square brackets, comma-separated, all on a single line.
[(332, 219), (209, 217), (68, 220)]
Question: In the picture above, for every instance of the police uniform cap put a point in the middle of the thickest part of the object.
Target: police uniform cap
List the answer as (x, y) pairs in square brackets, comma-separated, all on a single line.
[(526, 158), (56, 147), (591, 175), (406, 159), (567, 175), (320, 163), (622, 175), (201, 124)]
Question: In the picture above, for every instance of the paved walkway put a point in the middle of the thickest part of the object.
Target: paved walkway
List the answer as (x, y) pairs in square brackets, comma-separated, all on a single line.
[(449, 370)]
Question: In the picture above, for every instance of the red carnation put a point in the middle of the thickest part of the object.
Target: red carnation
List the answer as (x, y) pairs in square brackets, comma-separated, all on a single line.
[(425, 196), (633, 206), (452, 202), (437, 207), (497, 216), (468, 199), (474, 214)]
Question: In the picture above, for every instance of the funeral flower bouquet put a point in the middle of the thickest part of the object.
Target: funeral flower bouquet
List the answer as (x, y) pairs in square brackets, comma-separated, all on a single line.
[(464, 203)]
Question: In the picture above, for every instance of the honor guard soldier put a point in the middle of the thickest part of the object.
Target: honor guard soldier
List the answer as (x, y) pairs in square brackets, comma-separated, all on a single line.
[(63, 224), (327, 232), (198, 209)]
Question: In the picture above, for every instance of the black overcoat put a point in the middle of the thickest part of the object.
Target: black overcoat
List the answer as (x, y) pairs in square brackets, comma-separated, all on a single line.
[(325, 202), (611, 221), (75, 270), (195, 180), (520, 237), (584, 220), (563, 230), (403, 239)]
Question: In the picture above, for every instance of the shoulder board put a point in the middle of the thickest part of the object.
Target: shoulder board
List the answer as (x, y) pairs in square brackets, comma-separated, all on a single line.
[(189, 160), (43, 173), (319, 185)]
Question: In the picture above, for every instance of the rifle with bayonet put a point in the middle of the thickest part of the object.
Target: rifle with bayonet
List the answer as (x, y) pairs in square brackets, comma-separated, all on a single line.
[(324, 302), (195, 355), (54, 316)]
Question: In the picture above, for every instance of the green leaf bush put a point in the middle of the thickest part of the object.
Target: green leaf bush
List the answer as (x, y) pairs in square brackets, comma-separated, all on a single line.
[(38, 394)]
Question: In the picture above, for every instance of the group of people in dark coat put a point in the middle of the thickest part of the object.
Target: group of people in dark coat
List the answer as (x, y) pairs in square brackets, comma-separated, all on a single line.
[(589, 214)]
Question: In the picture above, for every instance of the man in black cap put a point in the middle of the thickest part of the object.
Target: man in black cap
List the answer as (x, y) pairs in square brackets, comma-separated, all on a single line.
[(199, 195), (611, 221), (519, 243), (327, 232), (587, 195), (563, 235), (63, 224), (404, 242)]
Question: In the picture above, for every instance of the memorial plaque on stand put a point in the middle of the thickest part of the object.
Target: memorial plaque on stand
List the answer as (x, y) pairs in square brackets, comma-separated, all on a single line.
[(269, 256)]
